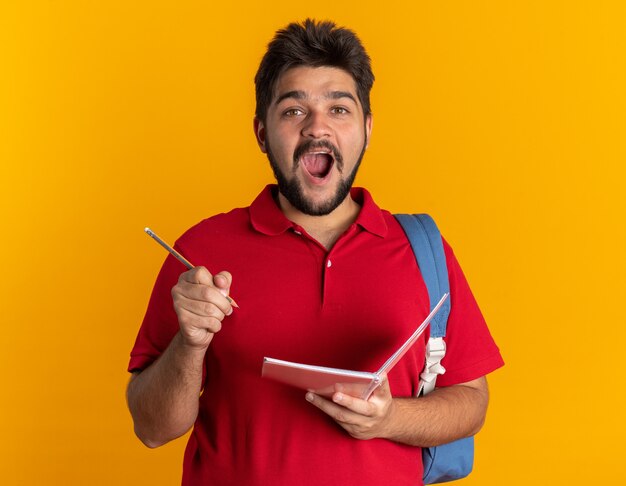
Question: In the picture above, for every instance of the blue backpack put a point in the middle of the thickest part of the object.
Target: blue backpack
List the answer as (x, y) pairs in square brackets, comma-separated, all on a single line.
[(451, 461)]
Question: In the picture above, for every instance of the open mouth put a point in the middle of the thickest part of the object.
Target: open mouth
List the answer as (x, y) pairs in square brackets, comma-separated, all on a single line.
[(318, 164)]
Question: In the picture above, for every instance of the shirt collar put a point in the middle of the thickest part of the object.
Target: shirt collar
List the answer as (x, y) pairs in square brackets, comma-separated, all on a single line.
[(265, 214), (370, 217), (267, 218)]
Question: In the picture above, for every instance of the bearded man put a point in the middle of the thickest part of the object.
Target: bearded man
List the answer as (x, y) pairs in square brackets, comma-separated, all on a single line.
[(322, 275)]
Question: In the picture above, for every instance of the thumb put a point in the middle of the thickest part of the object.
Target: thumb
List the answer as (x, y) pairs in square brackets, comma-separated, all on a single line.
[(222, 281)]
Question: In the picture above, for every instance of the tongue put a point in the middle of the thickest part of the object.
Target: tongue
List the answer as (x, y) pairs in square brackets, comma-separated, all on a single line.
[(317, 165)]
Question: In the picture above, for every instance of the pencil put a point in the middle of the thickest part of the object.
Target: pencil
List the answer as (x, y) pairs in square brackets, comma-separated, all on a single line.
[(180, 258)]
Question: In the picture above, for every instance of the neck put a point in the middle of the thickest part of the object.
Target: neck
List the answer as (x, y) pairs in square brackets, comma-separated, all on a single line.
[(325, 229)]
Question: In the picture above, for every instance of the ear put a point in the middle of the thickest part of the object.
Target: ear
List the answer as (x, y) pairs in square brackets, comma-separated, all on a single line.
[(259, 133), (369, 121)]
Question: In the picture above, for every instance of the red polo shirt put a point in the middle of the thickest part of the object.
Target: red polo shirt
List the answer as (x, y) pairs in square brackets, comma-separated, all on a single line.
[(349, 307)]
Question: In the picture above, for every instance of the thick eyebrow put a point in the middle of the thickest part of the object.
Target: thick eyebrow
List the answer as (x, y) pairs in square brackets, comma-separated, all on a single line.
[(335, 95), (301, 95), (296, 95)]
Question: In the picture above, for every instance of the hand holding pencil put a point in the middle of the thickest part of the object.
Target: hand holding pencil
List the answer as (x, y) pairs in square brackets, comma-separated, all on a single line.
[(179, 257), (201, 300)]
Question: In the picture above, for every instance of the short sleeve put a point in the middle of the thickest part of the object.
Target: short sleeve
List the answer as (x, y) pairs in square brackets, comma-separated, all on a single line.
[(471, 351), (160, 323)]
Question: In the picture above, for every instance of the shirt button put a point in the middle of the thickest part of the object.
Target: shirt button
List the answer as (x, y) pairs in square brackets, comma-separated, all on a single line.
[(297, 232), (329, 264)]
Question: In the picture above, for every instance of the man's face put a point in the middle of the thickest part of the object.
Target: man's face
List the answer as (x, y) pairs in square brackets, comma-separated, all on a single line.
[(314, 135)]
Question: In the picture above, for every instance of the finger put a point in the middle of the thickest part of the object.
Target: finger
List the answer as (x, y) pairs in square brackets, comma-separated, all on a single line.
[(354, 404), (202, 294), (383, 391), (200, 308), (197, 275), (353, 389), (191, 321), (336, 412), (201, 297), (223, 280), (195, 315)]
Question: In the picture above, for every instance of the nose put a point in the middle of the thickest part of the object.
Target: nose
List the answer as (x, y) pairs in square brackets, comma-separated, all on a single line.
[(316, 126)]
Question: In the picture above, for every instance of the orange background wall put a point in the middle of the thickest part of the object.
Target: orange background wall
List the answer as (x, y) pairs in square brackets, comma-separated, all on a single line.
[(505, 120)]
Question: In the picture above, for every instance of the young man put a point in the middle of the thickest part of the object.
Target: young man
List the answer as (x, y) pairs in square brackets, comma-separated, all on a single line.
[(322, 276)]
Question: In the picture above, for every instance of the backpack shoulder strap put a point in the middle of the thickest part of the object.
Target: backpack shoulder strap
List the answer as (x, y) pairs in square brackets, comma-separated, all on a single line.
[(453, 460), (427, 246), (425, 240)]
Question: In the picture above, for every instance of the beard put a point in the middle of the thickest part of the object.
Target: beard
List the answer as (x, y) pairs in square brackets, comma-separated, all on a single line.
[(291, 188)]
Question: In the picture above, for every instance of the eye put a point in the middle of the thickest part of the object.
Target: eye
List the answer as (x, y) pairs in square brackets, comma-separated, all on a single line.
[(339, 110), (291, 112)]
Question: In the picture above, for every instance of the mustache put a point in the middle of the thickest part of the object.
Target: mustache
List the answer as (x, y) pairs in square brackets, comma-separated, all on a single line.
[(313, 145)]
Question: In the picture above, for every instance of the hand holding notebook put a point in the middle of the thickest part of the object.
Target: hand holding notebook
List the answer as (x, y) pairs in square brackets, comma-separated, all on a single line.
[(321, 380)]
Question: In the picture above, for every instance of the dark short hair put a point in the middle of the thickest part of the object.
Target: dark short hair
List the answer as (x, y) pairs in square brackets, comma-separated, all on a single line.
[(313, 44)]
